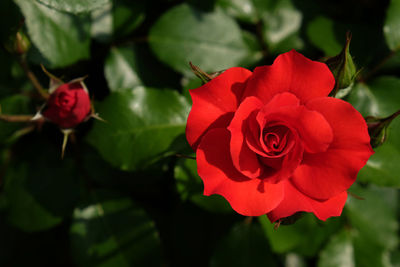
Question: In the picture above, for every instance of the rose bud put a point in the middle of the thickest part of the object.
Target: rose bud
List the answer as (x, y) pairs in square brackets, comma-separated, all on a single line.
[(68, 105), (272, 141)]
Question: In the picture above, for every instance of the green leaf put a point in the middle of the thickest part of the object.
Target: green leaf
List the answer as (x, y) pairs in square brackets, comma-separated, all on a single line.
[(294, 260), (111, 230), (75, 6), (391, 27), (61, 38), (13, 105), (369, 254), (127, 16), (141, 126), (291, 237), (40, 189), (321, 33), (120, 69), (190, 83), (213, 41), (23, 210), (241, 9), (245, 245), (116, 19), (190, 186), (395, 258), (380, 98), (374, 217), (350, 248), (339, 252), (281, 24), (101, 27)]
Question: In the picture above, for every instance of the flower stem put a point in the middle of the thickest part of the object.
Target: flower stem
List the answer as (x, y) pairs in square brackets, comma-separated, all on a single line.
[(32, 77), (184, 156), (16, 118), (377, 67)]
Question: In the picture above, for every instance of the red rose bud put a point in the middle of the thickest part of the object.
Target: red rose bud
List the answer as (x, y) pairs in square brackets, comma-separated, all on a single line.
[(378, 128), (342, 67), (272, 141), (68, 105)]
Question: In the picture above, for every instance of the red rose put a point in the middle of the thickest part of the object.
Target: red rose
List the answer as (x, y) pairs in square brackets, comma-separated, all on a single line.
[(68, 105), (272, 141)]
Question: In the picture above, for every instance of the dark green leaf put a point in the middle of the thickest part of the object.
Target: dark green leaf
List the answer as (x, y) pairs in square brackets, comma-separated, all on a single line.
[(212, 41), (339, 252), (116, 19), (369, 254), (245, 245), (61, 38), (40, 189), (391, 28), (75, 6), (23, 210), (12, 77), (141, 126), (395, 258), (321, 33), (190, 186), (111, 230), (127, 16), (13, 105)]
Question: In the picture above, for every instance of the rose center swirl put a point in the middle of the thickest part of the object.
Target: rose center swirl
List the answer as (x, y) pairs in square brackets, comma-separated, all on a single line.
[(277, 140)]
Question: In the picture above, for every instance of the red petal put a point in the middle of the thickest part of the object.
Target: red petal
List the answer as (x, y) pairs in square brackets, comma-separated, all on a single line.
[(291, 72), (314, 131), (249, 197), (324, 175), (243, 158), (82, 105), (254, 133), (214, 102), (295, 201)]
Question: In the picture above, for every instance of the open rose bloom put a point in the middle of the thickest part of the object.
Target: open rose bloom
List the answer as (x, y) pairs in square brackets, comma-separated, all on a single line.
[(272, 141)]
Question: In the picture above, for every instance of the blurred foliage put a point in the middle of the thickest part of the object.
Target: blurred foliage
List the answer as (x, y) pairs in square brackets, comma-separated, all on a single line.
[(121, 196)]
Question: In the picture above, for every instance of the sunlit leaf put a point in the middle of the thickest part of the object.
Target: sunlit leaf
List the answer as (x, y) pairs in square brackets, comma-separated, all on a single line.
[(75, 6), (339, 252), (61, 38), (141, 126), (391, 28), (213, 41), (282, 22)]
